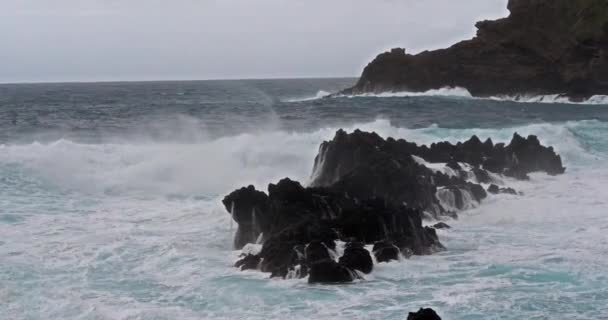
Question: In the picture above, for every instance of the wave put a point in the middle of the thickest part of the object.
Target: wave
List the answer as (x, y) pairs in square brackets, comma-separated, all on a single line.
[(552, 98), (216, 166), (442, 92), (459, 92), (320, 95)]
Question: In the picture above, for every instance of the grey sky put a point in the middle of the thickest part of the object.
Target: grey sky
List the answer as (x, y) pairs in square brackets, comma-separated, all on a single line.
[(86, 40)]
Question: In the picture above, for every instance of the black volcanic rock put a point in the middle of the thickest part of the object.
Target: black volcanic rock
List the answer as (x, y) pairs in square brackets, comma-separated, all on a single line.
[(441, 225), (304, 227), (248, 262), (543, 47), (423, 314), (365, 165), (494, 189), (528, 155), (356, 257), (368, 190), (385, 251), (244, 205), (316, 251), (328, 271)]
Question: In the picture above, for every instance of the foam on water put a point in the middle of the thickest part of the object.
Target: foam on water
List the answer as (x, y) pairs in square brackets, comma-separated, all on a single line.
[(554, 98), (442, 92), (320, 95), (459, 92), (137, 231), (437, 167)]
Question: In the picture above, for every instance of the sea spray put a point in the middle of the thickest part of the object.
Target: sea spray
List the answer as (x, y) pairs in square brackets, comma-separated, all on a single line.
[(231, 216), (135, 229)]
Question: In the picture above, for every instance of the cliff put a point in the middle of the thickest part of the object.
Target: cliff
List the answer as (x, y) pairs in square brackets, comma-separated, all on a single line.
[(543, 47)]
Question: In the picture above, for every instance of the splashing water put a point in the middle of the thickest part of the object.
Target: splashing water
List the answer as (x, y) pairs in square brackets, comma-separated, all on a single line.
[(126, 228)]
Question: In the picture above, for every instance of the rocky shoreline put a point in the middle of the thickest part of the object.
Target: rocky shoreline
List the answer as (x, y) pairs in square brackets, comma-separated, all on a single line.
[(544, 47), (367, 200)]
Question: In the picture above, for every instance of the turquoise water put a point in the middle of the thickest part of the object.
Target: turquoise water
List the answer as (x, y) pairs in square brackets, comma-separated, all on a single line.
[(109, 205)]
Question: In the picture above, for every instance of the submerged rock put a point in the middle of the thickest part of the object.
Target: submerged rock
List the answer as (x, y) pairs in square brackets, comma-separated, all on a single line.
[(543, 47), (423, 314)]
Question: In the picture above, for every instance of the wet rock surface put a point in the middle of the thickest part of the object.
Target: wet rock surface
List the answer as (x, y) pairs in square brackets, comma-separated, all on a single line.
[(370, 195), (441, 225)]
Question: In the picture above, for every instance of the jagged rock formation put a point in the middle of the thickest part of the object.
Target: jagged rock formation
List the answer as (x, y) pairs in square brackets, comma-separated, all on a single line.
[(364, 164), (543, 47), (370, 191), (300, 225)]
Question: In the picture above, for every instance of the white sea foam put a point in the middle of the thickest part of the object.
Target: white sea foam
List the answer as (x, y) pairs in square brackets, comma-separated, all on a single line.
[(459, 92), (437, 167), (320, 95), (442, 92), (553, 98), (137, 231), (211, 167)]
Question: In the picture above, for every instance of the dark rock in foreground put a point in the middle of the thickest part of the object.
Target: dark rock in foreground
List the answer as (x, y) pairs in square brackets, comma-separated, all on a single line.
[(423, 314), (441, 225), (370, 191), (365, 165), (543, 47), (494, 189), (328, 271), (248, 262), (356, 257), (301, 224), (386, 251)]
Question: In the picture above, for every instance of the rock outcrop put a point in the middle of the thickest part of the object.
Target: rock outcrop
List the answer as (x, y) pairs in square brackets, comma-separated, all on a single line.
[(543, 47), (300, 226), (423, 314), (364, 164), (494, 189), (370, 195)]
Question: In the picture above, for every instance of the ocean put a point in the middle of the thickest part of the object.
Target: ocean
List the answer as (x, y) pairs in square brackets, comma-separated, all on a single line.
[(110, 203)]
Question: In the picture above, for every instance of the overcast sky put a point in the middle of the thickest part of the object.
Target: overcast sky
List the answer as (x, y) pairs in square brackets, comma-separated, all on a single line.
[(90, 40)]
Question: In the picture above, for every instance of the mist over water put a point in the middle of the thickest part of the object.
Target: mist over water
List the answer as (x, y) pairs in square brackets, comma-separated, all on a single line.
[(110, 204)]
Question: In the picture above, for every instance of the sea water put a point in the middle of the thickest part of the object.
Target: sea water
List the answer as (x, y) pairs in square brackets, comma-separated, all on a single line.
[(110, 203)]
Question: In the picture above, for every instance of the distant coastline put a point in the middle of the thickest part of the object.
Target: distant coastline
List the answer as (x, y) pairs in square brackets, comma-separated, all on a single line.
[(545, 47)]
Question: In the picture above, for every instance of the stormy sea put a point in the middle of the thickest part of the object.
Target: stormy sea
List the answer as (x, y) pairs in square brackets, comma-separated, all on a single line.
[(110, 203)]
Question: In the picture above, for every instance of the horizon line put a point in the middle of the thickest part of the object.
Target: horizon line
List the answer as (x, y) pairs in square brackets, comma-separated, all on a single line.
[(173, 80)]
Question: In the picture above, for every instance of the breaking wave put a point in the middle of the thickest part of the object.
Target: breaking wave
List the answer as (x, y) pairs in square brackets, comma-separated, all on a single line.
[(553, 98), (459, 92), (136, 230), (320, 95), (442, 92), (217, 165)]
